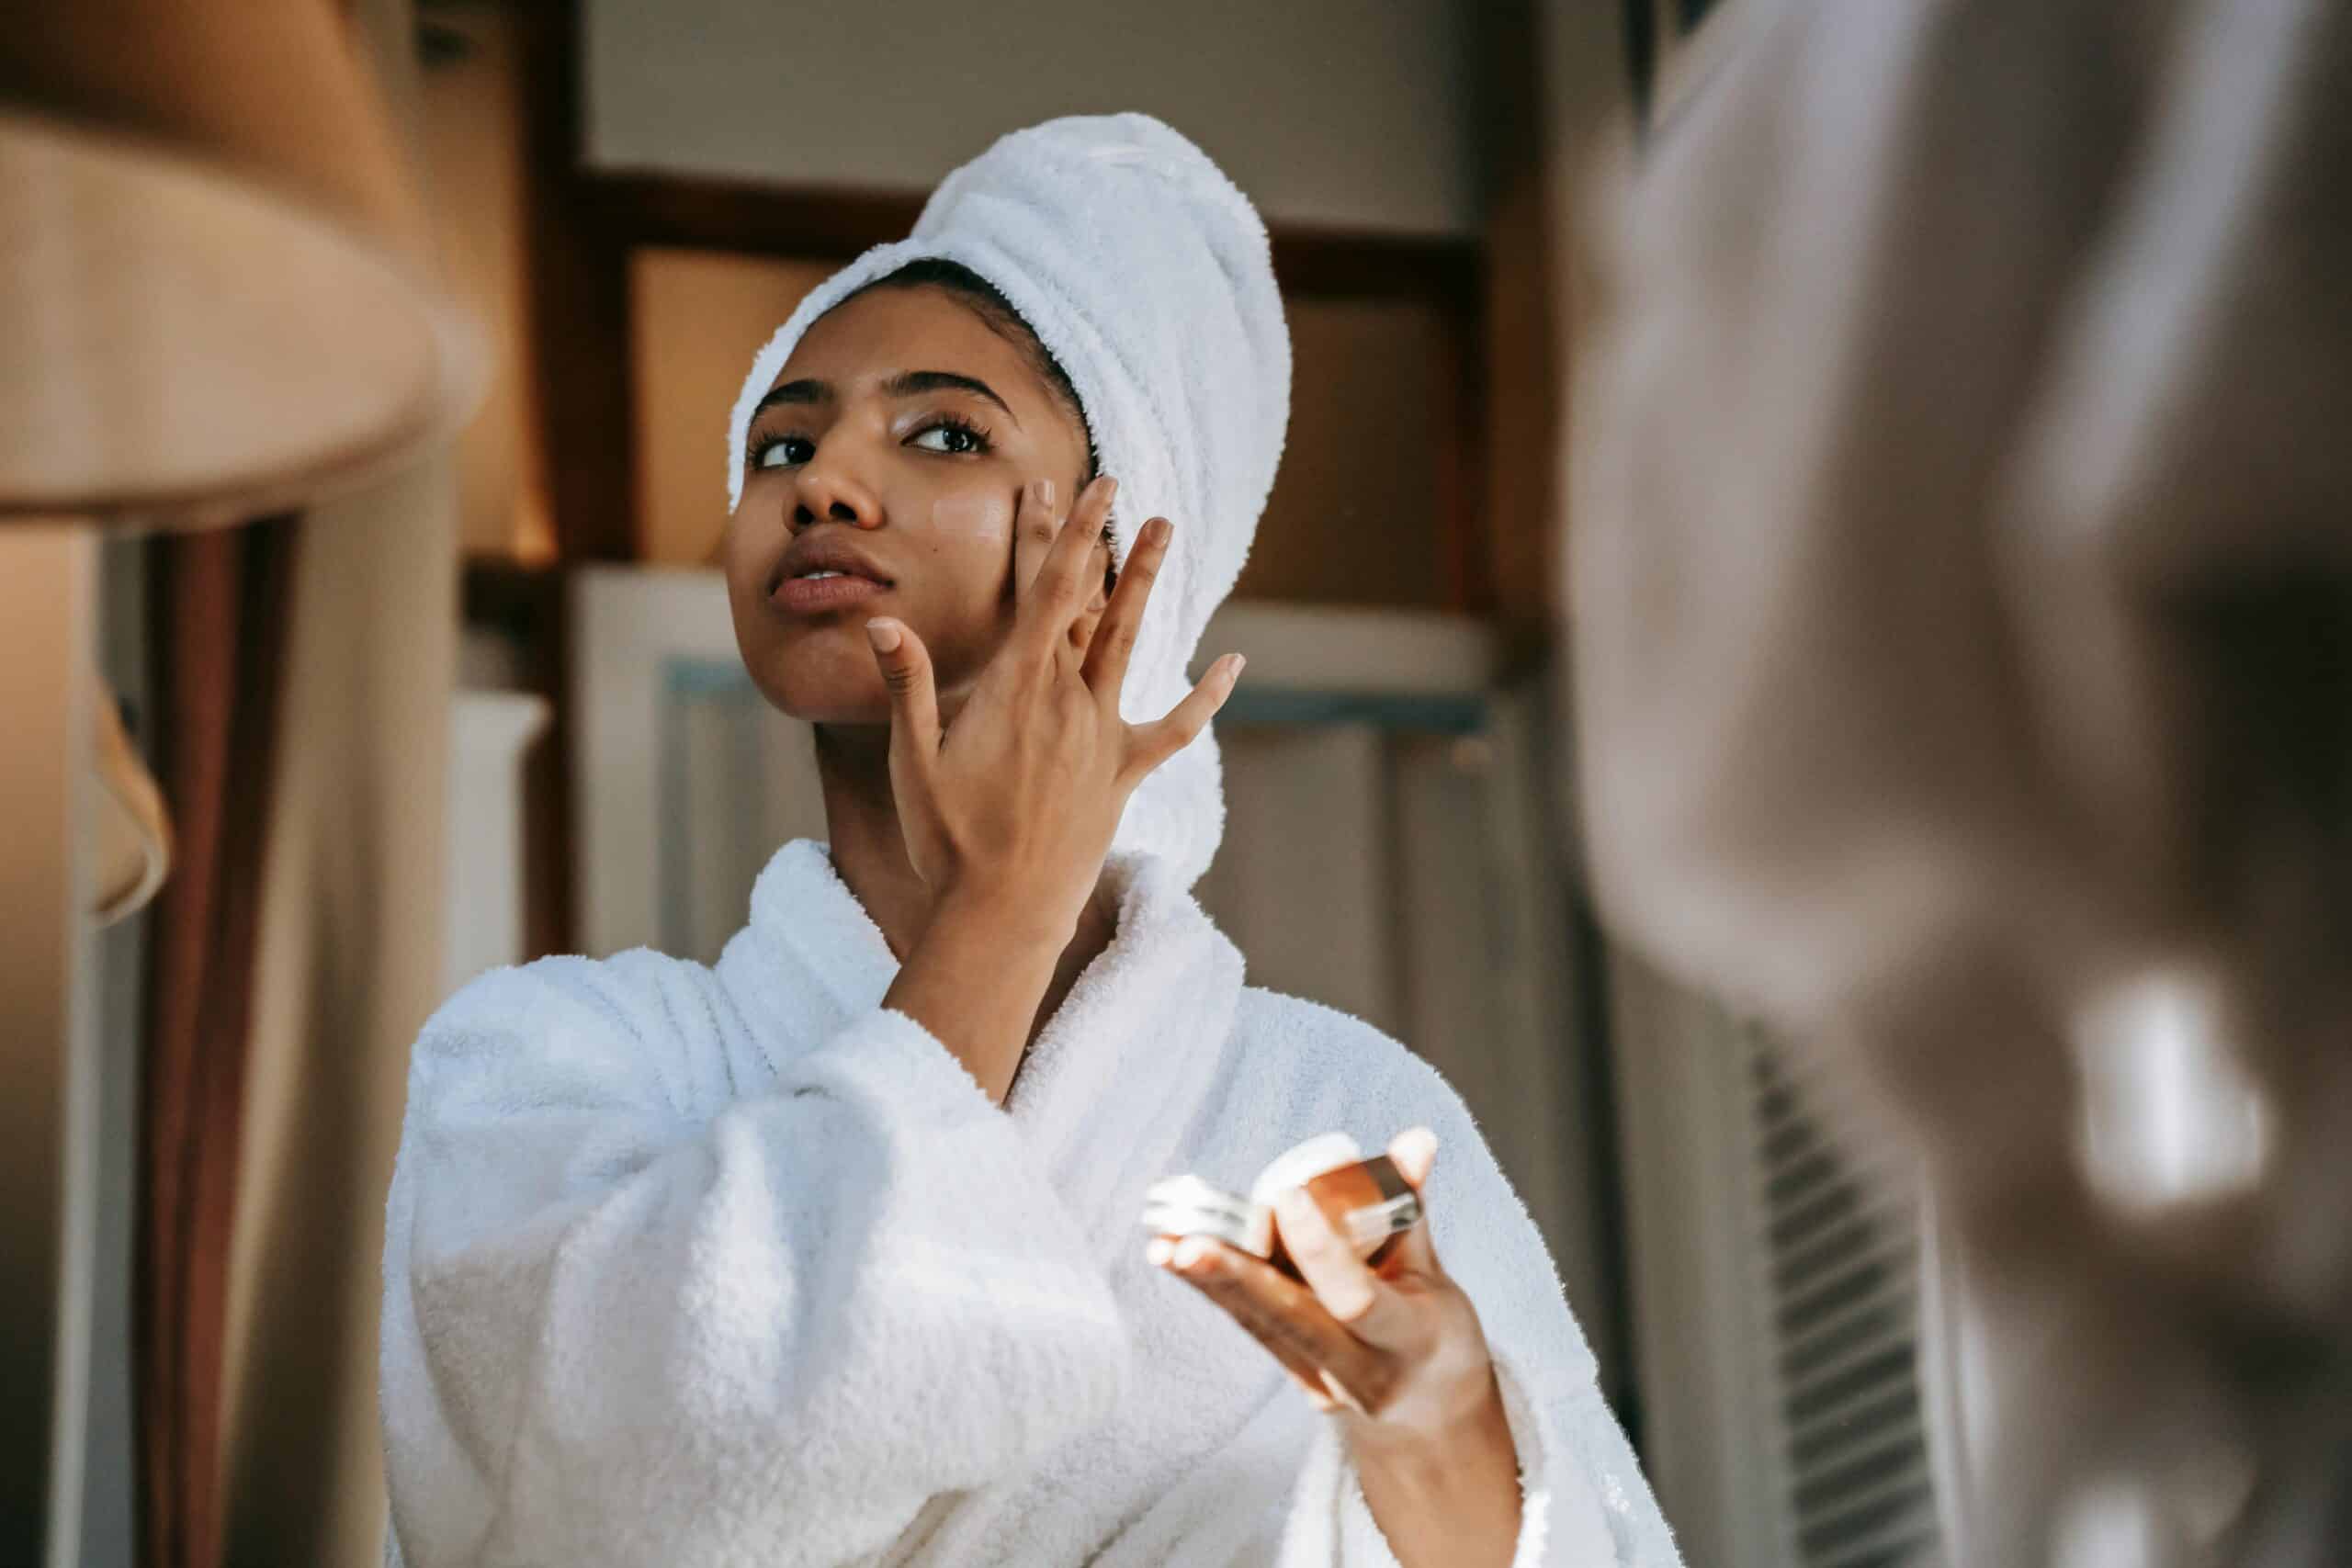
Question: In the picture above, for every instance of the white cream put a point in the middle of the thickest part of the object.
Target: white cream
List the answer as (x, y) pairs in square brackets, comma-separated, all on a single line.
[(982, 515)]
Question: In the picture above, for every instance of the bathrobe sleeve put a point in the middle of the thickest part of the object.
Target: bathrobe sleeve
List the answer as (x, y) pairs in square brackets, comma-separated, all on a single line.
[(1584, 1502), (634, 1313)]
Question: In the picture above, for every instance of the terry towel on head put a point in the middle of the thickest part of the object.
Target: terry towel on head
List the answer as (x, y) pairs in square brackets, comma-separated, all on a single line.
[(1144, 272), (732, 1265)]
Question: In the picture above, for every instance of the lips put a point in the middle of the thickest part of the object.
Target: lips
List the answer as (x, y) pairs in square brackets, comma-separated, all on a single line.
[(826, 549), (809, 596)]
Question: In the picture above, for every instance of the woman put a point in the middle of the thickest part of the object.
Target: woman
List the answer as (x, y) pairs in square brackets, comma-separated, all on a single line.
[(828, 1253)]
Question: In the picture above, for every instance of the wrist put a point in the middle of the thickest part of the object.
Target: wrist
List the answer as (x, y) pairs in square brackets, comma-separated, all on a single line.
[(1008, 920), (1451, 1497), (1476, 1427), (974, 979)]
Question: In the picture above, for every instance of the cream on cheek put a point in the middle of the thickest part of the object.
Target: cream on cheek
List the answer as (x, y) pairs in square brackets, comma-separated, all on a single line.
[(975, 527), (982, 517)]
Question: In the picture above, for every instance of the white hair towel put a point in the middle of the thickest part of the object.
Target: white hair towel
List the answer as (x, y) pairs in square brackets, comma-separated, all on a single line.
[(1147, 274)]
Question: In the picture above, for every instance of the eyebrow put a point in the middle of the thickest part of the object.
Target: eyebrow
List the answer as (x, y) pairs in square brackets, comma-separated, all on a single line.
[(905, 383)]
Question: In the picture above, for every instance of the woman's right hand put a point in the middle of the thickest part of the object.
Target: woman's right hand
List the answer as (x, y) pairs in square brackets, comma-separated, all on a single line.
[(1018, 804)]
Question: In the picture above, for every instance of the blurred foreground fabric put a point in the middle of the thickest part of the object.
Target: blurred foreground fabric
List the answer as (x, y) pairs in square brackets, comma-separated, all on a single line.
[(1961, 588)]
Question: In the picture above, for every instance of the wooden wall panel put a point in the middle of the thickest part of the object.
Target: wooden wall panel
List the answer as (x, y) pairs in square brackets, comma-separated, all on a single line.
[(697, 317)]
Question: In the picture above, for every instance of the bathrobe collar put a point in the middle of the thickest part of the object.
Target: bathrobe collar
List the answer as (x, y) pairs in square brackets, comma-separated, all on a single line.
[(1118, 1074)]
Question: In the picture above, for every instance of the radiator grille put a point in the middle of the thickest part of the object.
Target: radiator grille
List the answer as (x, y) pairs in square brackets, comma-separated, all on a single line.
[(1839, 1255)]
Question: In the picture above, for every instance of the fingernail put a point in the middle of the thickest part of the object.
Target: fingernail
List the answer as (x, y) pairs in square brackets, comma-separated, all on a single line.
[(1341, 1393), (1234, 665), (1158, 1250), (1190, 1251), (883, 635), (1161, 530), (1044, 493)]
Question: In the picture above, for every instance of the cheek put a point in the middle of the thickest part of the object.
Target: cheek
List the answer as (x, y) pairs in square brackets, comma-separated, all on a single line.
[(974, 521), (970, 539)]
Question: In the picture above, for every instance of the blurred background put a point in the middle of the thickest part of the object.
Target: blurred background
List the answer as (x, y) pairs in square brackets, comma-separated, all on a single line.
[(485, 706)]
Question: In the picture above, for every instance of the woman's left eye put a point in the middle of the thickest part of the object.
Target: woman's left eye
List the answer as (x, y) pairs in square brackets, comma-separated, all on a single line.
[(950, 438)]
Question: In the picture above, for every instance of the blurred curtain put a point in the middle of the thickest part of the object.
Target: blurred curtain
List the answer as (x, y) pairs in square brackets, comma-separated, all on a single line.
[(220, 610), (295, 953), (349, 967)]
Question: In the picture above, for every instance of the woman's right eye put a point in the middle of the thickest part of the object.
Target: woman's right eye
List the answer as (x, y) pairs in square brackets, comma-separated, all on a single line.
[(782, 451)]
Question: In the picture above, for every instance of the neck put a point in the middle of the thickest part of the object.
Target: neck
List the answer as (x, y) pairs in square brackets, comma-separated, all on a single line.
[(870, 853)]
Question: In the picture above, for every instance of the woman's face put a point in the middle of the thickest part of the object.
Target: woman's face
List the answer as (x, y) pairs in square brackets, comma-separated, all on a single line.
[(907, 426)]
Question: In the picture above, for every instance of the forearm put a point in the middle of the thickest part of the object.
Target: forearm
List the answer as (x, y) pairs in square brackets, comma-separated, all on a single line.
[(1450, 1501), (975, 980)]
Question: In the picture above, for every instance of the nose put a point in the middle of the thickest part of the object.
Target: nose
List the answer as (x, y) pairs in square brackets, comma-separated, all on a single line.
[(828, 488)]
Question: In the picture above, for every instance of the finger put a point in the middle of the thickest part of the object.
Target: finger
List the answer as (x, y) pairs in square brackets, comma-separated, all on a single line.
[(1339, 1396), (1359, 1300), (1415, 1152), (1106, 657), (1035, 522), (1284, 1317), (1317, 1385), (1149, 745), (914, 706), (1059, 589), (1161, 1252), (1090, 619)]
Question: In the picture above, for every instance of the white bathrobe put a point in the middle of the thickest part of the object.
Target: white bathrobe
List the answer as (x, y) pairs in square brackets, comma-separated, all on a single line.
[(732, 1265)]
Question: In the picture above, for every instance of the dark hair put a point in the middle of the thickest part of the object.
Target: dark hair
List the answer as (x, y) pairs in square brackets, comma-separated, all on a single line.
[(987, 302)]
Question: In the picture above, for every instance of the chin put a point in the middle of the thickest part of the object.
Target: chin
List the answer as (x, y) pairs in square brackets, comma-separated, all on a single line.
[(845, 715), (807, 685)]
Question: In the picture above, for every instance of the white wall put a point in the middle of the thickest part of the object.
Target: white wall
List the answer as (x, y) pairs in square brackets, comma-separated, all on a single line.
[(1350, 113)]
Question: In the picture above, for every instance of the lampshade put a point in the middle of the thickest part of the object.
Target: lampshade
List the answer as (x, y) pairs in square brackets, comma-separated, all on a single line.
[(217, 295)]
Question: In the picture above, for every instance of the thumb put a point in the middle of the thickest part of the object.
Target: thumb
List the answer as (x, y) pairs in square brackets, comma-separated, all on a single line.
[(1415, 1152), (914, 706)]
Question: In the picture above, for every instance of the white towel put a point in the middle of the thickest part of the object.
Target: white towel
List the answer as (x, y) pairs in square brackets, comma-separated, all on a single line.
[(731, 1265), (1146, 274)]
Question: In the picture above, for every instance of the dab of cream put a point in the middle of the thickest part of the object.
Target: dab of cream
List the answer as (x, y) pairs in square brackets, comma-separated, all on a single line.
[(983, 516)]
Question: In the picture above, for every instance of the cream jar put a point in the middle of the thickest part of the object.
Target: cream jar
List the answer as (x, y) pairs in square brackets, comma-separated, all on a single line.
[(1368, 1202)]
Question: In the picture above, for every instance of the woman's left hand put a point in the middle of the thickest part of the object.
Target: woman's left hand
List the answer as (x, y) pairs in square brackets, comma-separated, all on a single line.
[(1397, 1349)]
